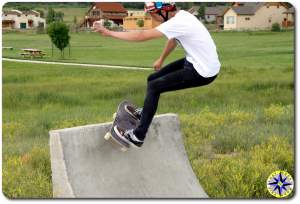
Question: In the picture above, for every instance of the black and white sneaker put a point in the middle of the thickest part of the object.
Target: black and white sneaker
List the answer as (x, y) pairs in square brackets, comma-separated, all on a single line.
[(136, 113), (128, 136)]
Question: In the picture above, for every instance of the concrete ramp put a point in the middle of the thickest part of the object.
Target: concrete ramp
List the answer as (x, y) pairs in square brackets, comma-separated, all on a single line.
[(84, 165)]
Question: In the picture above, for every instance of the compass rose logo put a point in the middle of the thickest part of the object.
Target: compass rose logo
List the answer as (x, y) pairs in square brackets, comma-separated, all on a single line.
[(280, 184)]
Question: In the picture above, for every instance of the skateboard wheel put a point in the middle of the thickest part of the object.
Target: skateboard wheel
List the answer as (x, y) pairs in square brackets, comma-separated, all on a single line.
[(107, 136), (123, 149), (114, 116)]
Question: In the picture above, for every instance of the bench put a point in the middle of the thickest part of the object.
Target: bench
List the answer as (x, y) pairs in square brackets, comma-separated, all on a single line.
[(32, 53)]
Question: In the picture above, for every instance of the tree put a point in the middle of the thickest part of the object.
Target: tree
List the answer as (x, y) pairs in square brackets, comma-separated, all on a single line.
[(201, 12), (54, 16), (59, 35), (50, 16), (59, 16), (140, 23), (24, 8), (42, 14)]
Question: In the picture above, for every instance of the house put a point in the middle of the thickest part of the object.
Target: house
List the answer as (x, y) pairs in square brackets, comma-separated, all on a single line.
[(15, 19), (254, 16), (289, 19), (131, 22), (110, 11), (211, 14)]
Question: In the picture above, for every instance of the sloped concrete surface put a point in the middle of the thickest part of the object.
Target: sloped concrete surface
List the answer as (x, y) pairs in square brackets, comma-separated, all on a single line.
[(84, 165)]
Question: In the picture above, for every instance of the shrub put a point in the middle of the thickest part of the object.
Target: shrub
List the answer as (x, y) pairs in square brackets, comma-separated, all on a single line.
[(275, 27), (140, 23)]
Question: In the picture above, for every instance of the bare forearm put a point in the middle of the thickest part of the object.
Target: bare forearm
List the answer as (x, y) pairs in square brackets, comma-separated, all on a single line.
[(169, 47), (136, 36)]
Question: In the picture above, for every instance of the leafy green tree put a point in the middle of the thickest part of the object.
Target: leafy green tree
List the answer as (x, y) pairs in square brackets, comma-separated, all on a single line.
[(59, 35), (54, 16), (201, 12), (50, 16), (140, 23), (24, 8)]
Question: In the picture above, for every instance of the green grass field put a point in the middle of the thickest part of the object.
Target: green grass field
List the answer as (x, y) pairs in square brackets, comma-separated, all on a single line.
[(237, 130)]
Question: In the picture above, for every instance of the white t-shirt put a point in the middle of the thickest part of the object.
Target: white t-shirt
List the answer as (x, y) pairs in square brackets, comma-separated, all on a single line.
[(199, 47)]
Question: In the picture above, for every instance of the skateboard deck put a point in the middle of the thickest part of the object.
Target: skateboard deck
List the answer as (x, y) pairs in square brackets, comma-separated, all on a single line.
[(123, 120)]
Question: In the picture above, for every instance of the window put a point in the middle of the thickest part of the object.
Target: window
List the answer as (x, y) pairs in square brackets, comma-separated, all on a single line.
[(96, 13), (23, 25), (230, 19)]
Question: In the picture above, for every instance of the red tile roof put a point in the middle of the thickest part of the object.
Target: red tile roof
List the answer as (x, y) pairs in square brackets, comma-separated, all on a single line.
[(110, 7)]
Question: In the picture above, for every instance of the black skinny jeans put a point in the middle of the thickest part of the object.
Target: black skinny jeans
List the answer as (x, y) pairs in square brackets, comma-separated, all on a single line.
[(175, 76)]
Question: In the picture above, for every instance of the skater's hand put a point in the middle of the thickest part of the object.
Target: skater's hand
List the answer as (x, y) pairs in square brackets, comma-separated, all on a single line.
[(99, 28), (157, 64)]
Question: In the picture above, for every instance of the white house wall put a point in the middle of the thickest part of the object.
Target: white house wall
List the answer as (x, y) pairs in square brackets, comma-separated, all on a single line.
[(24, 19), (227, 26), (261, 18)]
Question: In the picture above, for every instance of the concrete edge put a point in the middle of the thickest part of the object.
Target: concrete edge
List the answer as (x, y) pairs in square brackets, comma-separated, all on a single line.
[(57, 155), (53, 132)]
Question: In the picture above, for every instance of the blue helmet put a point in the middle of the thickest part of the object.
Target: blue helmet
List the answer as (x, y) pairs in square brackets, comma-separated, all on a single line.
[(155, 7)]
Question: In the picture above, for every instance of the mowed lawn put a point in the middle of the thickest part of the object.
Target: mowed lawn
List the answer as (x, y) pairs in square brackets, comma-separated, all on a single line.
[(237, 130), (236, 49)]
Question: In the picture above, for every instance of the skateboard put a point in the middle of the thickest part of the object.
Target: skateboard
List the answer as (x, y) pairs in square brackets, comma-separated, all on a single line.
[(123, 120)]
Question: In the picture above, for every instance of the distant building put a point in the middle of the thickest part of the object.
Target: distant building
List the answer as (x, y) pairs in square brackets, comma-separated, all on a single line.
[(255, 16), (15, 19), (131, 22), (211, 14), (110, 11)]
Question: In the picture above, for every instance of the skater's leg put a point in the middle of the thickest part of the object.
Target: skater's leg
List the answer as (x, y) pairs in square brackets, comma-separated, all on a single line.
[(180, 79), (174, 66)]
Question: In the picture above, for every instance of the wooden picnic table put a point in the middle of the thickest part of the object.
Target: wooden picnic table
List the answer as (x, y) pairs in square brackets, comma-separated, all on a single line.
[(30, 52)]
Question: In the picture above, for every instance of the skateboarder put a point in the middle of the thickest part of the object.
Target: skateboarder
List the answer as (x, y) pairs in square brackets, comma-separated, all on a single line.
[(199, 67)]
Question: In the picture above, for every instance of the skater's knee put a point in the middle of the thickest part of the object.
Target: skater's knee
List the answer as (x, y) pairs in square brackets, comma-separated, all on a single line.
[(150, 77)]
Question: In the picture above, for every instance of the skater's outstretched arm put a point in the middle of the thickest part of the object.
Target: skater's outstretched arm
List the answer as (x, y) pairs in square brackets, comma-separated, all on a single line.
[(169, 47), (137, 36)]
